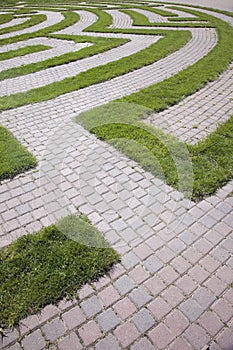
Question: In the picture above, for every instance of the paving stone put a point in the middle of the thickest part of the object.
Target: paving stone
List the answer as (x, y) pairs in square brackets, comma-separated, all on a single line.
[(74, 317), (89, 333), (204, 297), (107, 320), (124, 285), (70, 342), (180, 344), (159, 308), (107, 343), (160, 336), (197, 337), (153, 264), (191, 309), (124, 308), (225, 339), (143, 320), (142, 344), (91, 306), (223, 309), (140, 296), (211, 322), (109, 295), (126, 334), (34, 340)]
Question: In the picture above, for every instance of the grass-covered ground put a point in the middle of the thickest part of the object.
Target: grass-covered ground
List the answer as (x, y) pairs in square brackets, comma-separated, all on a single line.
[(14, 158), (44, 267)]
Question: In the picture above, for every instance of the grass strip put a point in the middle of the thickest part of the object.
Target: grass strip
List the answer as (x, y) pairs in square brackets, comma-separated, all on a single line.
[(100, 45), (23, 51), (14, 158), (44, 267), (6, 18), (212, 164), (34, 20), (165, 46)]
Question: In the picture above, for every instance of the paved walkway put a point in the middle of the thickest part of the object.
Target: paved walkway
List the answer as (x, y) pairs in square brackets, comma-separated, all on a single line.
[(171, 290)]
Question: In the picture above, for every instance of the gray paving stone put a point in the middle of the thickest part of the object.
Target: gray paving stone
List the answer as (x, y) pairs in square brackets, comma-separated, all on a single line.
[(140, 296), (191, 309), (34, 340), (153, 264), (91, 306), (107, 320), (143, 320), (124, 285)]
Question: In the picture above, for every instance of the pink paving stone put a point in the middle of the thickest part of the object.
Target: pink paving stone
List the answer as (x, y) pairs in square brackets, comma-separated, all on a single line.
[(34, 341), (47, 313), (102, 282), (165, 254), (173, 296), (223, 309), (66, 304), (124, 308), (109, 295), (155, 285), (161, 336), (126, 334), (222, 228), (196, 337), (211, 322), (225, 339), (89, 333), (117, 271), (229, 296), (143, 251), (216, 285), (159, 308), (28, 324), (168, 274), (180, 264), (176, 322), (203, 246), (74, 317), (139, 274), (225, 274), (179, 344), (198, 274), (85, 291), (186, 284), (71, 342), (192, 255), (209, 263)]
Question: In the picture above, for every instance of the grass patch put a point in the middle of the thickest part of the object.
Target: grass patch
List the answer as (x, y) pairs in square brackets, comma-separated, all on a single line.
[(6, 18), (34, 20), (23, 51), (14, 158), (163, 155), (42, 268)]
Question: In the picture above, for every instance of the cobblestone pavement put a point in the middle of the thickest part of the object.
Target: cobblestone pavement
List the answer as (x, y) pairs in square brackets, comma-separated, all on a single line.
[(171, 290)]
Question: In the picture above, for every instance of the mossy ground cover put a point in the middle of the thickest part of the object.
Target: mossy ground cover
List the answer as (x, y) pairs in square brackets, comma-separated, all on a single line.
[(14, 158), (44, 267)]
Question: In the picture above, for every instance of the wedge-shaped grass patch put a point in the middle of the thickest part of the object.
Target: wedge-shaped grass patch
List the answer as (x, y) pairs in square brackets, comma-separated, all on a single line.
[(44, 267), (14, 158), (196, 171)]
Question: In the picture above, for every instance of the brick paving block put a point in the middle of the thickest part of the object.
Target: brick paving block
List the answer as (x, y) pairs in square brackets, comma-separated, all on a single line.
[(47, 313), (168, 274), (126, 334), (176, 245), (70, 342), (176, 322), (117, 271), (143, 251), (74, 317), (109, 295), (204, 297), (211, 322), (130, 260), (28, 324), (155, 285), (143, 344), (124, 308), (15, 347), (124, 285), (191, 309), (34, 341), (10, 336), (220, 254), (173, 296), (203, 246), (180, 264), (54, 329), (225, 339), (65, 304), (213, 236), (198, 274), (91, 306), (143, 320), (197, 337), (102, 282), (89, 333), (159, 308), (107, 320), (225, 274), (153, 264), (180, 344), (192, 255), (139, 274), (107, 343), (229, 296), (155, 243), (165, 254), (186, 284), (161, 336), (223, 309), (140, 296), (215, 285)]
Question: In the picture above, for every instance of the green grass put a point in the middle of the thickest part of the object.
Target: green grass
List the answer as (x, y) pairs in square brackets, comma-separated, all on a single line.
[(99, 45), (14, 158), (22, 51), (209, 163), (34, 20), (6, 18), (42, 268)]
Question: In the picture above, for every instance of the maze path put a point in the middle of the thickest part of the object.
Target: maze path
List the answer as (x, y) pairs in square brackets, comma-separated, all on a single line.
[(183, 272), (152, 17), (14, 22)]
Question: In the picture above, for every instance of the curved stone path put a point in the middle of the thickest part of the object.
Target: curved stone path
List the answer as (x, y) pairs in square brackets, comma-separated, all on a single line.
[(171, 290)]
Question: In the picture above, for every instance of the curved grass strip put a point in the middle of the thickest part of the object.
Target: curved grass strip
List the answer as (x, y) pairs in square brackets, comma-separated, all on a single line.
[(6, 18), (165, 46), (211, 158), (100, 45), (23, 51), (14, 158), (141, 20), (70, 18), (34, 20), (224, 12), (43, 268)]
